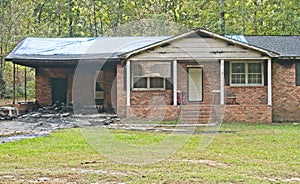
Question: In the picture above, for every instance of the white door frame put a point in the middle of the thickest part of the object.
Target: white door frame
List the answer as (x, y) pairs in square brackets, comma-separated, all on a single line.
[(199, 89)]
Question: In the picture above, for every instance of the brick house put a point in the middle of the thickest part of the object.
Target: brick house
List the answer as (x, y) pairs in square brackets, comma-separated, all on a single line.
[(189, 76)]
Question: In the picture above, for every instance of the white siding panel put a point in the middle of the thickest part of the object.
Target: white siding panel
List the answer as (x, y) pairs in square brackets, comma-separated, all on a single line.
[(198, 48)]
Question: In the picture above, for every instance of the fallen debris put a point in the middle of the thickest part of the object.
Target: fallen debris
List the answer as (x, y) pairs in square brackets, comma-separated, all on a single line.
[(8, 113)]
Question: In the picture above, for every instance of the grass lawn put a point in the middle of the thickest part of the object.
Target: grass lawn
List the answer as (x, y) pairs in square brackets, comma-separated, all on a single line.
[(249, 153)]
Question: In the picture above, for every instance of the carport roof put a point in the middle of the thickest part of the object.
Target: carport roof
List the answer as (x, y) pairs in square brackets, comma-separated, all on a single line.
[(65, 49)]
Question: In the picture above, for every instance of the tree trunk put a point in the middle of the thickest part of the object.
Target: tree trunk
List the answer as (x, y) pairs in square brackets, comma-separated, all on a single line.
[(71, 3), (222, 16)]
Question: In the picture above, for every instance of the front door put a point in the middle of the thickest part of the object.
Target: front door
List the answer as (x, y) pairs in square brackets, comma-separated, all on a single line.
[(195, 84), (59, 90)]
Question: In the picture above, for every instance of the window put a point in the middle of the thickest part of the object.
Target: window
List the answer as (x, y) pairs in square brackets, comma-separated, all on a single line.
[(140, 82), (238, 74), (297, 74), (246, 73), (150, 75), (254, 73), (99, 86), (157, 82)]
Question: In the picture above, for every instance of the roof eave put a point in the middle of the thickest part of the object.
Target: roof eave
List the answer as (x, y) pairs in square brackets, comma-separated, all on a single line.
[(267, 52), (9, 57), (289, 57)]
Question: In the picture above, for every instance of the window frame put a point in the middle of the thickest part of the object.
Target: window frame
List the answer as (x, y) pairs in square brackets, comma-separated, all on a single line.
[(148, 87), (297, 74), (246, 73)]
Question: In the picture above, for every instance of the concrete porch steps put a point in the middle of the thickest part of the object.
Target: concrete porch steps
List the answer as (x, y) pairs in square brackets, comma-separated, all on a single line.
[(191, 114)]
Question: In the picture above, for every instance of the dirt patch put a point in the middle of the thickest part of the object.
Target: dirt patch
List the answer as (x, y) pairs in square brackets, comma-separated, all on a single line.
[(105, 172), (277, 180), (204, 162)]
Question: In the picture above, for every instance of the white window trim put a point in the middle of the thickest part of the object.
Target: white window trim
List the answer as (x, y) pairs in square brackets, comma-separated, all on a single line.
[(246, 73)]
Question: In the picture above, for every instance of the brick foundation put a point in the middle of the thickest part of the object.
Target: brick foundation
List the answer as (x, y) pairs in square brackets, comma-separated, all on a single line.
[(154, 112), (203, 114), (248, 113)]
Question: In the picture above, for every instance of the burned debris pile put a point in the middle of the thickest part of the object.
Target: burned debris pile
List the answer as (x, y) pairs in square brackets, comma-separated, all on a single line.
[(45, 120)]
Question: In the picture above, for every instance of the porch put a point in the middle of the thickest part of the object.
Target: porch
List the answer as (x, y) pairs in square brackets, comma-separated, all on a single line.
[(216, 99)]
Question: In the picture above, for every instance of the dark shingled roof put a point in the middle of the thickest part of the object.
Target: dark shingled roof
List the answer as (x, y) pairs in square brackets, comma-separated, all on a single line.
[(286, 46)]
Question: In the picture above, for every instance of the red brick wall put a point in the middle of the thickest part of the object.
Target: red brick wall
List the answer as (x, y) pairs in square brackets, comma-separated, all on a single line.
[(109, 88), (43, 83), (151, 97), (83, 89), (254, 95), (121, 93), (286, 95)]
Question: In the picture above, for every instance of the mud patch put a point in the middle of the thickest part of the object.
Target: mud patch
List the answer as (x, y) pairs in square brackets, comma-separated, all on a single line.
[(8, 138)]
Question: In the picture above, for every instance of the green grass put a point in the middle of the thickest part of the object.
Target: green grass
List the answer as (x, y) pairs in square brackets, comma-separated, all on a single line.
[(252, 153)]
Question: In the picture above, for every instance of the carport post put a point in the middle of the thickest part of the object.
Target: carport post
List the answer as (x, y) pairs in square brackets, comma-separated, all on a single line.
[(25, 84), (14, 83)]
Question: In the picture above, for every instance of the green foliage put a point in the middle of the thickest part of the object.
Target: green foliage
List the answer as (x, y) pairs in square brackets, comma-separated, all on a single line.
[(20, 82)]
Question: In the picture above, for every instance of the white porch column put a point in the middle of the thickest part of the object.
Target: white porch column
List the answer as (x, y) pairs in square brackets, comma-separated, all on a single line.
[(128, 83), (175, 82), (269, 81), (222, 82)]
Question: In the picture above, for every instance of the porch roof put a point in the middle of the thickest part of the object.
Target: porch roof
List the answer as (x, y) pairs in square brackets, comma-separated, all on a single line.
[(200, 32)]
